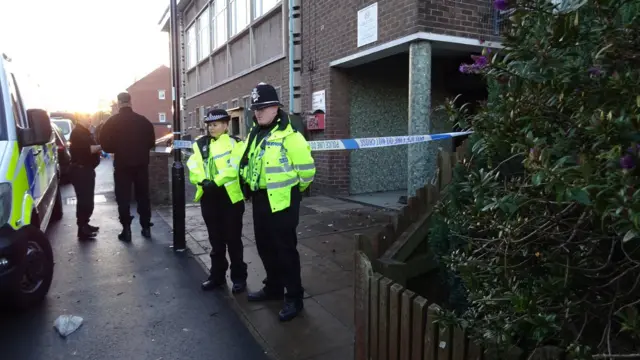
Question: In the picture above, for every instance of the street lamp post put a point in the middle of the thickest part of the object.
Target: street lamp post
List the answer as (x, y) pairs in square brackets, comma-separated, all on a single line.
[(177, 169)]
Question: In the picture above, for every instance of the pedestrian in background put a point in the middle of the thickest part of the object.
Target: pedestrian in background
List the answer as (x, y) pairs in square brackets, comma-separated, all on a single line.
[(276, 166), (215, 173), (130, 137), (85, 157)]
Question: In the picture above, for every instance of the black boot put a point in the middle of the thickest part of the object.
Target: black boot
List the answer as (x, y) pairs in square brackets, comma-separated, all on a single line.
[(291, 309), (93, 228), (146, 232), (209, 285), (125, 235), (84, 232)]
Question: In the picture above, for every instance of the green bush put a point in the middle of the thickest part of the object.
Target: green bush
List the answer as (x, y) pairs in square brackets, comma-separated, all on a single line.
[(542, 224)]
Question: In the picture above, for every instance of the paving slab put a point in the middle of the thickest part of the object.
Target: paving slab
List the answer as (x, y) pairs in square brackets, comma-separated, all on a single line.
[(326, 232)]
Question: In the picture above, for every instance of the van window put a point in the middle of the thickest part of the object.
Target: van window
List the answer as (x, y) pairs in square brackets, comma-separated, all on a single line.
[(16, 104), (3, 133)]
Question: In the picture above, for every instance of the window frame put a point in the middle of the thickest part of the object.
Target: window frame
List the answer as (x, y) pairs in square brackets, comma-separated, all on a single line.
[(234, 28), (202, 27), (162, 94), (162, 115), (191, 45), (224, 12)]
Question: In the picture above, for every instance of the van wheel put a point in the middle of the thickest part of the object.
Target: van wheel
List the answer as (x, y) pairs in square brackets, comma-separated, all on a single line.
[(35, 269), (57, 207)]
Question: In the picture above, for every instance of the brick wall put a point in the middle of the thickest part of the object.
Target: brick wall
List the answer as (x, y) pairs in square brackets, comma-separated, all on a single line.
[(160, 178), (466, 18), (329, 32)]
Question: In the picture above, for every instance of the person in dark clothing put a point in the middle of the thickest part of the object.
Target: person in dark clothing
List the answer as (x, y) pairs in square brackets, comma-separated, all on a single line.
[(85, 157), (130, 137)]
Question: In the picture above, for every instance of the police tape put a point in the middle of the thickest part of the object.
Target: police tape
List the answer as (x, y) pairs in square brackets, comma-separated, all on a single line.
[(361, 143), (376, 142)]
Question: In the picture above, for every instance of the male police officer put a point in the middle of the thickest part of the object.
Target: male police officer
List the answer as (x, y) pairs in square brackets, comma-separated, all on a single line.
[(85, 157), (275, 168), (130, 137), (215, 173)]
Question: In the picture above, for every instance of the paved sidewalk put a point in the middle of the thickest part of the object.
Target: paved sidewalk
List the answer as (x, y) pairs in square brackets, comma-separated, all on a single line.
[(326, 245)]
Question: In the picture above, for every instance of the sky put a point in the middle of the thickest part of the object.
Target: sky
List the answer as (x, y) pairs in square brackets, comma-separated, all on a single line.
[(77, 55)]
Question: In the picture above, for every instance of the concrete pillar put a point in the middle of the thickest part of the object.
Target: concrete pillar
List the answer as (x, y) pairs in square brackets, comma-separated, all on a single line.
[(422, 157)]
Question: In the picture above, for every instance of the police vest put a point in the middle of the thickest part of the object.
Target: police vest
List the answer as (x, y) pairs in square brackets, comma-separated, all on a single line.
[(280, 161), (213, 160)]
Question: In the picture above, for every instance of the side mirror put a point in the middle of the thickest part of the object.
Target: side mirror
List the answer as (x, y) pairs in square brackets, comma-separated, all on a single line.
[(39, 133)]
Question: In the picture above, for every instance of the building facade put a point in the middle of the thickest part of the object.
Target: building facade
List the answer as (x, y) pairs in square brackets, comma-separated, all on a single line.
[(152, 97), (358, 68)]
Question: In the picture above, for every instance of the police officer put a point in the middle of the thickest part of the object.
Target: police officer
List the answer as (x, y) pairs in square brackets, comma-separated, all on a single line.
[(276, 166), (85, 157), (215, 173), (130, 137)]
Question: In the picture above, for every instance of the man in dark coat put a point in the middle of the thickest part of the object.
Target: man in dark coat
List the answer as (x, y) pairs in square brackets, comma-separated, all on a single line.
[(130, 137)]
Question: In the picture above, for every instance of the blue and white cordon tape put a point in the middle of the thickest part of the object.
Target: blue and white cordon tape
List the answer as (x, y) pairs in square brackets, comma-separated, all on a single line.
[(376, 142), (362, 143)]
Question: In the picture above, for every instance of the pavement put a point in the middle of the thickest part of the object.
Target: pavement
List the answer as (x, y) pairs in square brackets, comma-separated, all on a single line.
[(325, 329), (139, 301)]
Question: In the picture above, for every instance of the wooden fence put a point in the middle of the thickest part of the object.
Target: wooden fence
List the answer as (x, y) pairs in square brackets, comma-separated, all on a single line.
[(392, 322)]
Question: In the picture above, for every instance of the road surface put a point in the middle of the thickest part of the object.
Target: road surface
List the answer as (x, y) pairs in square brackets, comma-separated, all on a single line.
[(139, 301)]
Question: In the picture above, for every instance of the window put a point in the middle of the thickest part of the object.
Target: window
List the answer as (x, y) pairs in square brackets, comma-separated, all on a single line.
[(16, 103), (240, 13), (223, 106), (162, 94), (234, 103), (220, 31), (204, 46), (263, 6), (162, 117), (192, 51)]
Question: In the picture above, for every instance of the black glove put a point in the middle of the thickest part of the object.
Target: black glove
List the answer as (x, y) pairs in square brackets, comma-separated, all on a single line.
[(207, 184)]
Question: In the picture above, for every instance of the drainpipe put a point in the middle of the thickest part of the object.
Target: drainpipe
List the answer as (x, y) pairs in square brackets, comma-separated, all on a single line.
[(290, 3), (294, 61)]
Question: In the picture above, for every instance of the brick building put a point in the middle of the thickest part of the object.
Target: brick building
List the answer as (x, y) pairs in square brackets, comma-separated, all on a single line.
[(151, 97), (373, 68)]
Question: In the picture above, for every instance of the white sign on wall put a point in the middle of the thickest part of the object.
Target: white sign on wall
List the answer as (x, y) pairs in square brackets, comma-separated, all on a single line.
[(368, 25), (318, 101)]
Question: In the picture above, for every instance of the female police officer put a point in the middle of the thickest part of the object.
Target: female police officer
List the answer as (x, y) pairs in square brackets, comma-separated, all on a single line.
[(275, 168), (214, 173)]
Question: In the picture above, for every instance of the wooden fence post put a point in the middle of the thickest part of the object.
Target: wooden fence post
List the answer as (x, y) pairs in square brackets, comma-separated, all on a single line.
[(418, 324), (395, 315), (383, 314), (431, 334), (374, 320), (363, 275), (406, 324)]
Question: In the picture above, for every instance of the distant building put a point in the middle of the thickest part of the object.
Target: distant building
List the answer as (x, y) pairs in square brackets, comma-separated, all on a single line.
[(151, 97)]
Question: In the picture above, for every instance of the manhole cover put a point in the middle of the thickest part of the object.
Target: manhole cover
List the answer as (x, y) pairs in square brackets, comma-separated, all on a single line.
[(96, 199)]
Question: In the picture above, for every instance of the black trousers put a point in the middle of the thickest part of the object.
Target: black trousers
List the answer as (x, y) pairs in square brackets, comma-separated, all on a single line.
[(138, 177), (83, 179), (224, 224), (277, 241)]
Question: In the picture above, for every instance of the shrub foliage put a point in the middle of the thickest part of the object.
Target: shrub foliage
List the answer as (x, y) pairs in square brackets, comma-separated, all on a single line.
[(542, 224)]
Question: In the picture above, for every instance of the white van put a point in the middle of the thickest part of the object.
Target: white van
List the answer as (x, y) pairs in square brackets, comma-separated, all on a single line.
[(29, 195)]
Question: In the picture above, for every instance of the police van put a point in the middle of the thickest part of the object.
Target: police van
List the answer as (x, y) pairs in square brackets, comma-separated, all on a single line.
[(29, 195)]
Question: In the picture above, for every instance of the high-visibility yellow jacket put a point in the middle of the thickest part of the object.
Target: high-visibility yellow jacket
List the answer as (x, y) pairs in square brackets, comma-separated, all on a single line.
[(213, 159), (280, 161)]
